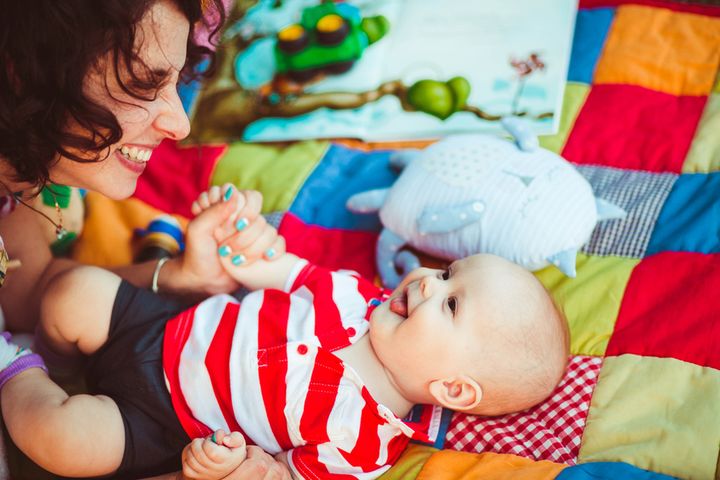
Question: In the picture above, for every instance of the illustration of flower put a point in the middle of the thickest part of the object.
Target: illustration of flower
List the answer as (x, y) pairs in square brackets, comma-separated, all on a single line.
[(523, 69)]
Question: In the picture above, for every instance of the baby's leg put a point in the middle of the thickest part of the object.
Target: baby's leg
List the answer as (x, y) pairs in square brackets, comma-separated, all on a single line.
[(76, 310), (82, 435)]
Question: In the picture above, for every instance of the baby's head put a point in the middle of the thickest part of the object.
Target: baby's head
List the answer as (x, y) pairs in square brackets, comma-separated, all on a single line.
[(483, 337)]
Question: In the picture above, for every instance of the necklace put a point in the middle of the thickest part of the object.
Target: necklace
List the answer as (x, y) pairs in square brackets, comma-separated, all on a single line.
[(60, 231)]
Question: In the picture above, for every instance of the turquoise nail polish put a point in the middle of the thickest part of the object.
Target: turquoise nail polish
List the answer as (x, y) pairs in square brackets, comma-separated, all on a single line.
[(238, 260), (270, 252), (228, 194), (224, 251), (241, 224)]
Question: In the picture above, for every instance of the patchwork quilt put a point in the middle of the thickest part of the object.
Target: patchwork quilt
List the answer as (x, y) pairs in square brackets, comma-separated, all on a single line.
[(641, 121)]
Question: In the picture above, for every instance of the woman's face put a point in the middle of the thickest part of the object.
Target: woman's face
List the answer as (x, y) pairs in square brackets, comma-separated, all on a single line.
[(161, 40)]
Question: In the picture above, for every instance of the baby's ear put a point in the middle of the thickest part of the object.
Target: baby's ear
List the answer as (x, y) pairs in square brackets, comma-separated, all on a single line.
[(459, 393)]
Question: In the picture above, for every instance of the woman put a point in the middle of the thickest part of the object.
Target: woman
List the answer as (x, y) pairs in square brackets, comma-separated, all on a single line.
[(87, 90)]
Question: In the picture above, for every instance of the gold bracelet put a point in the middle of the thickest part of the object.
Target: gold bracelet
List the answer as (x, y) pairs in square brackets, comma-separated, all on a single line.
[(156, 274)]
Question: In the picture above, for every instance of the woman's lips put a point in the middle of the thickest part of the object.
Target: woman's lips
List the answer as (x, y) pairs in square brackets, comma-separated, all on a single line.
[(134, 166)]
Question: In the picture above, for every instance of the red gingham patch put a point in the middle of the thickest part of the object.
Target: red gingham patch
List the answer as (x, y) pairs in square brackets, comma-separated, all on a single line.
[(549, 431)]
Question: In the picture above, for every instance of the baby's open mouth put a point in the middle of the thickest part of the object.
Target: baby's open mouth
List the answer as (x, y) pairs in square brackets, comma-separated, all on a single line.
[(398, 305)]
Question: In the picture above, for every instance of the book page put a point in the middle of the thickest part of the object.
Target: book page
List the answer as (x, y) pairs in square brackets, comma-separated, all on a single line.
[(441, 67), (478, 40)]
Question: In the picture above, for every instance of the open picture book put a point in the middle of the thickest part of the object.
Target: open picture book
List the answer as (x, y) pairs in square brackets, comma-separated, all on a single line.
[(390, 69)]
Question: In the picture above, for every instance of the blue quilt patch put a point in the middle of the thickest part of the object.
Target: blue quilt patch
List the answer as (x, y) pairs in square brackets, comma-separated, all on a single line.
[(690, 218), (591, 29), (341, 173)]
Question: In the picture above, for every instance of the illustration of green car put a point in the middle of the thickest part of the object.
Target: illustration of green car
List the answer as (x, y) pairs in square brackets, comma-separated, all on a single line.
[(330, 38)]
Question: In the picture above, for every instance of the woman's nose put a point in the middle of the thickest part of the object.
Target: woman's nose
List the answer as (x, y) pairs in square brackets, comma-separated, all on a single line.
[(173, 122)]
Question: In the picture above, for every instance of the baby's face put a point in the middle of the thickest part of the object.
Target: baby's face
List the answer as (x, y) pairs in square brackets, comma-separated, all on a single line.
[(438, 322)]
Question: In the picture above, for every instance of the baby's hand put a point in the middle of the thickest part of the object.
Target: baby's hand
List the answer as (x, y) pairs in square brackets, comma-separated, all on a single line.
[(244, 235), (213, 457)]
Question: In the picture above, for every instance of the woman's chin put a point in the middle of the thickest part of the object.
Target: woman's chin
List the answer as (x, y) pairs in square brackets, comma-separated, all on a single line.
[(119, 191)]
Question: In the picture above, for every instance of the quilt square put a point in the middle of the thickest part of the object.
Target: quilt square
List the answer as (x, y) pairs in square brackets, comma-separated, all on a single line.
[(609, 470), (590, 302), (591, 29), (689, 220), (573, 100), (640, 194), (278, 172), (329, 247), (670, 309), (452, 465), (189, 168), (675, 52), (341, 173), (549, 431), (107, 237), (631, 127), (704, 154), (655, 413)]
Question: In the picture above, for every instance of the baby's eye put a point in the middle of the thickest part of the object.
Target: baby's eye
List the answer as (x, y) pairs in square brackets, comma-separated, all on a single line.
[(452, 304), (445, 275)]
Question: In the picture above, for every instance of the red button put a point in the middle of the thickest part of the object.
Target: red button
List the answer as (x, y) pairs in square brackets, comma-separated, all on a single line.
[(350, 332), (302, 349)]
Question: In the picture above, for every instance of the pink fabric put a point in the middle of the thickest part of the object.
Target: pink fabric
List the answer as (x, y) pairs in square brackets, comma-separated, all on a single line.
[(331, 248), (176, 175), (550, 431), (631, 127), (669, 309)]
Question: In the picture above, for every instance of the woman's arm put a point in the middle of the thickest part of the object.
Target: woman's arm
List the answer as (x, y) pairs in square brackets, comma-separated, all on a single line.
[(195, 275), (24, 240)]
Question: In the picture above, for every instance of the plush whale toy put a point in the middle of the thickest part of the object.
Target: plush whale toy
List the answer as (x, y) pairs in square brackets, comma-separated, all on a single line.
[(474, 193)]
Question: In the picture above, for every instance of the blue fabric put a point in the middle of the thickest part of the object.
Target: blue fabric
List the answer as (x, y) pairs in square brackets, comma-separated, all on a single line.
[(609, 471), (690, 218), (591, 29), (341, 173), (189, 91)]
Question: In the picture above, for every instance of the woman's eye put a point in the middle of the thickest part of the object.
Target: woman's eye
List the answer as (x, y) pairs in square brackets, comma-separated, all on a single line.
[(445, 275), (452, 304)]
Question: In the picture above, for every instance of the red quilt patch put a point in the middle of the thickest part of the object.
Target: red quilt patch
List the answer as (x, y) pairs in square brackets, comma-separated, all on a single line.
[(670, 309), (631, 127)]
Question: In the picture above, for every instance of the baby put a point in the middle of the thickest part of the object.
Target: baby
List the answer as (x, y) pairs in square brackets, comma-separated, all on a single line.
[(316, 367)]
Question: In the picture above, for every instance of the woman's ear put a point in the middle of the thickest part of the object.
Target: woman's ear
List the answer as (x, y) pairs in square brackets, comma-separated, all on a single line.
[(459, 393)]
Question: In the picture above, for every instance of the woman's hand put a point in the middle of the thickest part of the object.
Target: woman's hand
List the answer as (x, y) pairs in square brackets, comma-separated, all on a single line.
[(200, 266)]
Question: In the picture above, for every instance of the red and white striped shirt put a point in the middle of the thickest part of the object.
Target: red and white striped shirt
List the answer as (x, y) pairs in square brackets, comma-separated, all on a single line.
[(265, 367)]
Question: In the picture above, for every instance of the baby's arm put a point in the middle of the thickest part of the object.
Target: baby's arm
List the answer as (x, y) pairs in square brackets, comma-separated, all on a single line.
[(237, 240), (213, 457)]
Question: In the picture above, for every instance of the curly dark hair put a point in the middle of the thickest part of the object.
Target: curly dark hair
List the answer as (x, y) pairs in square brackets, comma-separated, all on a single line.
[(46, 50)]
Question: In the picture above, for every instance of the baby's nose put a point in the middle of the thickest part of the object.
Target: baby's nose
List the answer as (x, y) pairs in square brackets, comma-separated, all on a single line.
[(426, 285)]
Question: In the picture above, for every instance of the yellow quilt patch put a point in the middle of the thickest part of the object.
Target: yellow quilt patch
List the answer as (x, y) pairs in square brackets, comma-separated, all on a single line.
[(278, 172), (659, 414), (704, 153), (591, 301), (109, 226)]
